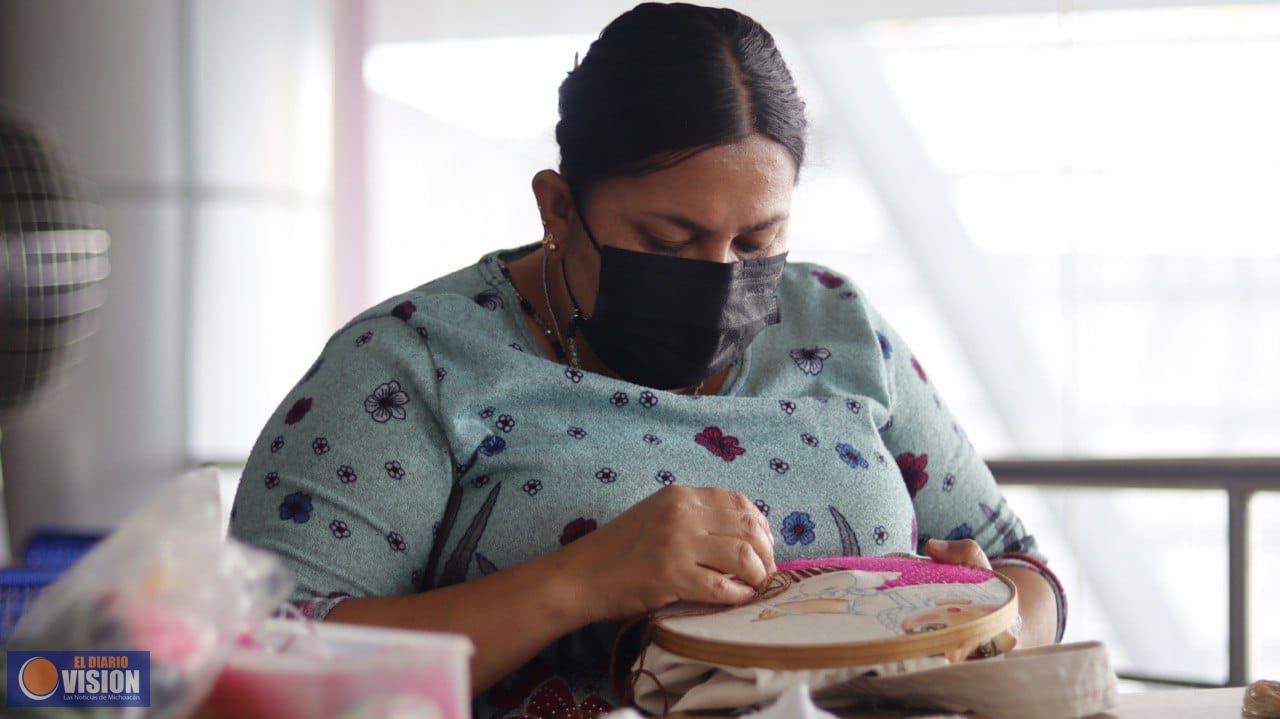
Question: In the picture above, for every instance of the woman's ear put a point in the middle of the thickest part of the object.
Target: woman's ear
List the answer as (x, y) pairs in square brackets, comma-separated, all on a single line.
[(554, 202)]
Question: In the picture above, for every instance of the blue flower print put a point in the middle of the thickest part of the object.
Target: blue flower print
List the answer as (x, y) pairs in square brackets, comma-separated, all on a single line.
[(787, 406), (851, 456), (886, 347), (272, 479), (797, 527), (493, 444), (607, 475), (648, 399), (961, 532), (577, 432), (763, 506), (853, 405), (619, 399), (487, 412), (296, 507), (505, 422), (809, 439), (779, 465), (386, 402), (809, 359), (665, 477), (277, 444)]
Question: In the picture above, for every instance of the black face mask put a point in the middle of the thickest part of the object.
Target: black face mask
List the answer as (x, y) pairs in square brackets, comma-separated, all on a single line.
[(668, 322)]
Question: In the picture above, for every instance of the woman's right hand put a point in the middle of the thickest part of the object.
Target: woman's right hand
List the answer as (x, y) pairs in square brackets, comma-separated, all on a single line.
[(677, 543)]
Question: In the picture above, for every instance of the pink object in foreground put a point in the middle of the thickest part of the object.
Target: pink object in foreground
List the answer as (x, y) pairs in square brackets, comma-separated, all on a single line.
[(913, 571), (323, 671)]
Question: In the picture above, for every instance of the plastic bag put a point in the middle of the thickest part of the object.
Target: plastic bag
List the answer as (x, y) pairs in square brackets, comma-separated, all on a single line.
[(167, 582)]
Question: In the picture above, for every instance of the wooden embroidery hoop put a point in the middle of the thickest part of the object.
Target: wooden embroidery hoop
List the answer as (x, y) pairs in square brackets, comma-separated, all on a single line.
[(824, 656)]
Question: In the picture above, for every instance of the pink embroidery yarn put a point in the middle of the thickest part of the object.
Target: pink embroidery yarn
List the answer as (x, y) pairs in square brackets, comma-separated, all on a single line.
[(913, 571)]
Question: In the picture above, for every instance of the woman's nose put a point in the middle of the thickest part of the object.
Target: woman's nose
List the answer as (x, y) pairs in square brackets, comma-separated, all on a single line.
[(716, 250)]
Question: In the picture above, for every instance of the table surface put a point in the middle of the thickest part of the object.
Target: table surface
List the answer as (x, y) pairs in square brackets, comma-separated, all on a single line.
[(1173, 704)]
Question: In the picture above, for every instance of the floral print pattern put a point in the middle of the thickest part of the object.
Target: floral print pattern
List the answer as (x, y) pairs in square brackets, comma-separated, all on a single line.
[(577, 529), (913, 468), (716, 442), (339, 529), (296, 507), (386, 402), (798, 527), (320, 445), (851, 456), (271, 480), (828, 279), (346, 474), (778, 465), (394, 469), (809, 359), (665, 477), (298, 411)]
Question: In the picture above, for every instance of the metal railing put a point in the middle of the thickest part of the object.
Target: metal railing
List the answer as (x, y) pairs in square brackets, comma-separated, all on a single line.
[(1239, 477)]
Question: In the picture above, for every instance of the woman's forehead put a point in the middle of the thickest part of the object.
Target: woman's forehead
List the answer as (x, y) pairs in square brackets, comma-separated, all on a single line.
[(726, 187)]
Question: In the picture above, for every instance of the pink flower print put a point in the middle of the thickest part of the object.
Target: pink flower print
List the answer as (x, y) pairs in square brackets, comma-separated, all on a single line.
[(778, 465), (404, 310), (574, 375), (724, 446), (763, 506), (607, 475), (346, 474), (619, 399), (298, 411), (787, 406), (339, 529), (577, 529), (396, 542), (913, 471), (648, 399), (828, 279), (532, 487), (665, 477)]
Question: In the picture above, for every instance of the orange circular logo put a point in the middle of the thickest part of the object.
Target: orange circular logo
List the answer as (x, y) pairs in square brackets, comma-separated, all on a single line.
[(38, 678)]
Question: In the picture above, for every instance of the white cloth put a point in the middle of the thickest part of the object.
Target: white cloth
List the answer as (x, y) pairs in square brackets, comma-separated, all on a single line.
[(1050, 682)]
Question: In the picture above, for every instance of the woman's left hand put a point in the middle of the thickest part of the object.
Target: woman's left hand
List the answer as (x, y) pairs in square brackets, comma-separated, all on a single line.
[(959, 551)]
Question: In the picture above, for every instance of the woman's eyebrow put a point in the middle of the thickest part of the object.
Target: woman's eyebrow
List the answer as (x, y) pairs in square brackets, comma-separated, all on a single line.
[(688, 224)]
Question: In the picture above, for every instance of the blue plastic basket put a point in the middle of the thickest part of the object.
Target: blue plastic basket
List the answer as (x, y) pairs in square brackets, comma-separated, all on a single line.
[(51, 548), (19, 586)]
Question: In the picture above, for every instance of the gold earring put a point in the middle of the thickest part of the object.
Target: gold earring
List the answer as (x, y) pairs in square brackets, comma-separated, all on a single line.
[(549, 241)]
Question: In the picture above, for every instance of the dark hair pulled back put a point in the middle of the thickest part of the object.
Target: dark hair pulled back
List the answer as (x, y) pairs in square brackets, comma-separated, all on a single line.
[(665, 81)]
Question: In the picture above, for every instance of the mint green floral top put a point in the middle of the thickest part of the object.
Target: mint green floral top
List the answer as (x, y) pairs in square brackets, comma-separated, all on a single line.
[(432, 443)]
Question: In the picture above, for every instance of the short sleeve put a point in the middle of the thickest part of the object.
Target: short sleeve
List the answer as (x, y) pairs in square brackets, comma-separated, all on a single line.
[(349, 478), (952, 489)]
